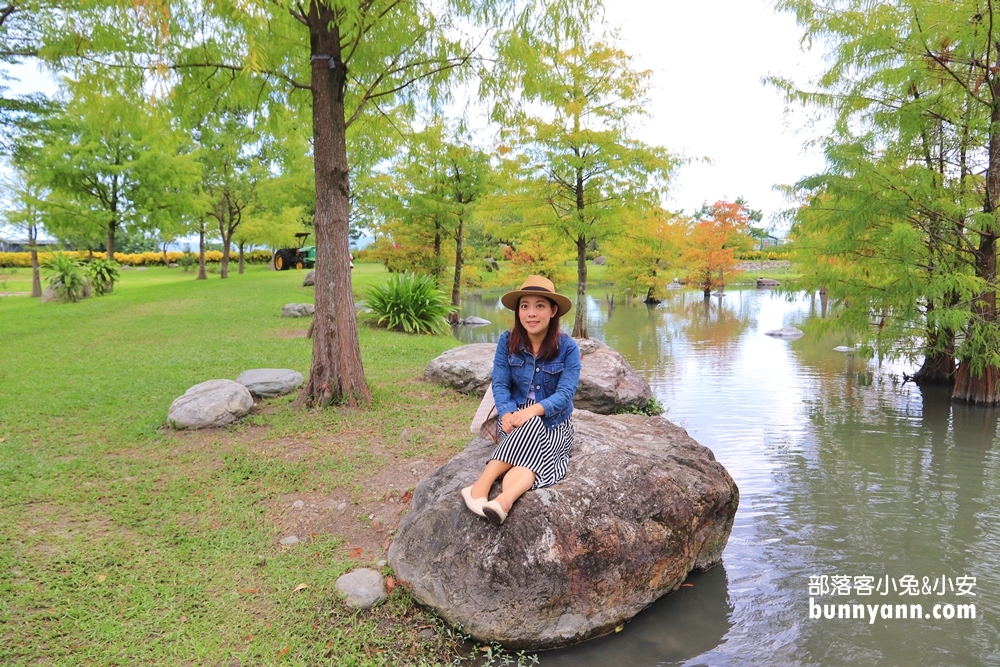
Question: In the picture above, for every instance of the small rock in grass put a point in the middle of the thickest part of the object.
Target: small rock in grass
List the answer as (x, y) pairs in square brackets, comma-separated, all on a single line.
[(267, 382), (341, 507), (382, 563), (289, 541), (297, 309), (209, 404), (298, 504), (362, 588), (427, 633)]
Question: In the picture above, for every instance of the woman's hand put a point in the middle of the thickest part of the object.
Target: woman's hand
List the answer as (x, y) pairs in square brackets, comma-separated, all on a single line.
[(513, 420)]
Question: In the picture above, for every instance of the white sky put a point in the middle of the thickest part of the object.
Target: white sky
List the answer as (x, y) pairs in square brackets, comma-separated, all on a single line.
[(708, 59)]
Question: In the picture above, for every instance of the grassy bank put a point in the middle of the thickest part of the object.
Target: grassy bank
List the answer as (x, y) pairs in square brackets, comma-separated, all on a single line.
[(122, 542)]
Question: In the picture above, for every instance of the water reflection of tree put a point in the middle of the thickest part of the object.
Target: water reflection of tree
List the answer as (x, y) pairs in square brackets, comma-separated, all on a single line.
[(895, 486), (713, 325)]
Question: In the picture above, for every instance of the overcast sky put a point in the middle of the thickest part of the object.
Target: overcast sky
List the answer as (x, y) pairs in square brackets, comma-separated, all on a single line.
[(708, 100), (708, 59)]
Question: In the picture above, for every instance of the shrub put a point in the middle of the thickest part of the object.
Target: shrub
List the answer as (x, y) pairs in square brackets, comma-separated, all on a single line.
[(410, 303), (67, 279), (103, 275), (187, 260)]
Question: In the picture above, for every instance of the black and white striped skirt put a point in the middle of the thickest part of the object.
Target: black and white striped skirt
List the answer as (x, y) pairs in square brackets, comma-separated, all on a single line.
[(545, 451)]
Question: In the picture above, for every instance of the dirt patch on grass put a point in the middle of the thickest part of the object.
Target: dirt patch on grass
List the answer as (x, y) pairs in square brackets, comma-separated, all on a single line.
[(290, 333), (365, 521)]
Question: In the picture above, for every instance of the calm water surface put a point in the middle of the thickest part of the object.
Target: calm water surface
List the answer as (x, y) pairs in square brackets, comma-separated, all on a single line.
[(843, 470)]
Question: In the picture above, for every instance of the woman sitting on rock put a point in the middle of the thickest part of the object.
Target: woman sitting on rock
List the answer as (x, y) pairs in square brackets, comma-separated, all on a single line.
[(535, 373)]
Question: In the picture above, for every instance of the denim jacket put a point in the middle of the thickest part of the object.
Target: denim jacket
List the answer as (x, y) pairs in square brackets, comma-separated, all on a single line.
[(554, 381)]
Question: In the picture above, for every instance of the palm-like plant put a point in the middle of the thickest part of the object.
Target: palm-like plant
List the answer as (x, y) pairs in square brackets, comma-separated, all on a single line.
[(67, 278), (103, 275), (410, 303)]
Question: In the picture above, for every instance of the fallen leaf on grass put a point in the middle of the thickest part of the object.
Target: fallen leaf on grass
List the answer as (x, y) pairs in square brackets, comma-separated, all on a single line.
[(390, 583), (3, 439), (687, 585), (250, 591), (284, 651), (101, 577), (183, 619), (248, 638), (300, 587), (356, 553), (406, 497), (376, 524)]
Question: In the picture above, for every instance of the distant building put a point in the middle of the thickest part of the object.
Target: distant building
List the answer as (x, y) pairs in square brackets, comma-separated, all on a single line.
[(21, 245)]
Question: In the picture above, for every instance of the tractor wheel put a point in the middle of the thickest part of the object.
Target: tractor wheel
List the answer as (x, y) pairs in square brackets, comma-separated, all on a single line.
[(281, 262), (298, 264)]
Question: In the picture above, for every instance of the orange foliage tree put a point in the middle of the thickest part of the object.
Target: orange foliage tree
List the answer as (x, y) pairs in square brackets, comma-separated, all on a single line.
[(718, 232)]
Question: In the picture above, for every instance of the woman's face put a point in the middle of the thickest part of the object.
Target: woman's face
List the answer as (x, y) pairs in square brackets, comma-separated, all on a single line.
[(535, 312)]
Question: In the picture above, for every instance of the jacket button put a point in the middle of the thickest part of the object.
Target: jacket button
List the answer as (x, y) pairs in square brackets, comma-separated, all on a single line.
[(536, 370), (538, 386)]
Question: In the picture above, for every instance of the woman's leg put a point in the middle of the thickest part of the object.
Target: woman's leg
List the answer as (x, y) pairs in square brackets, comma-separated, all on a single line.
[(481, 487), (517, 480)]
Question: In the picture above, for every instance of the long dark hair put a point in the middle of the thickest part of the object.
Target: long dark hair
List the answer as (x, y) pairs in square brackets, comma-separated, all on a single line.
[(519, 335)]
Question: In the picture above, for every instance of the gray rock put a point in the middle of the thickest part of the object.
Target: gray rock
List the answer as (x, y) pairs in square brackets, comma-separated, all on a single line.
[(125, 267), (270, 381), (467, 368), (53, 295), (341, 507), (298, 504), (641, 506), (844, 348), (767, 282), (310, 279), (608, 384), (363, 588), (492, 264), (212, 403), (298, 310), (787, 333), (172, 265), (601, 260), (141, 268), (473, 321), (289, 541)]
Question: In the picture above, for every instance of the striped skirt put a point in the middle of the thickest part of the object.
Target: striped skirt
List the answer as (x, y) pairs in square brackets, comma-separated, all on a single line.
[(545, 451)]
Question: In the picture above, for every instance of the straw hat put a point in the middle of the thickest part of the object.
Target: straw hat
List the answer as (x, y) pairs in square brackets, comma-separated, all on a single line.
[(537, 286)]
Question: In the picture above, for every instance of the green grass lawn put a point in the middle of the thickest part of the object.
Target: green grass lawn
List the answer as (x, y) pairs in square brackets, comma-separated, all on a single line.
[(122, 542)]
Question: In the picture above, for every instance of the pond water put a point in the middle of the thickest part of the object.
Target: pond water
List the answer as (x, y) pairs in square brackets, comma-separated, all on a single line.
[(844, 470)]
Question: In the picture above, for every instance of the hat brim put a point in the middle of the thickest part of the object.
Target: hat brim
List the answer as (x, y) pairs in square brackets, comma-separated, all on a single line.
[(510, 299)]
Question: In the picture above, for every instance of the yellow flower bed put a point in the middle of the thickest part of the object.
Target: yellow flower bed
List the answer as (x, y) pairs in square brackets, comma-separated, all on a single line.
[(23, 259)]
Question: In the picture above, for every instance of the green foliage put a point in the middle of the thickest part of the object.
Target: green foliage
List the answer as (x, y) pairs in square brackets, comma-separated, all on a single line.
[(103, 275), (652, 408), (187, 261), (411, 303), (67, 276)]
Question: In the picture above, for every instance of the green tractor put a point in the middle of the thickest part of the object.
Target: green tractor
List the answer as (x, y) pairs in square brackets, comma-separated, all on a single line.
[(302, 257)]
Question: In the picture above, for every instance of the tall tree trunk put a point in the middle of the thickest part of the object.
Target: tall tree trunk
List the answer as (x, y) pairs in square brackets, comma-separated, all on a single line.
[(242, 243), (580, 321), (36, 279), (166, 261), (984, 386), (224, 267), (202, 274), (456, 286), (336, 375), (436, 272)]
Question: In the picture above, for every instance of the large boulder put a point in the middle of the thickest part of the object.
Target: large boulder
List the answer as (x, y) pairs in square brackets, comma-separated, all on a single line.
[(608, 384), (642, 505), (310, 279), (212, 403), (266, 382)]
